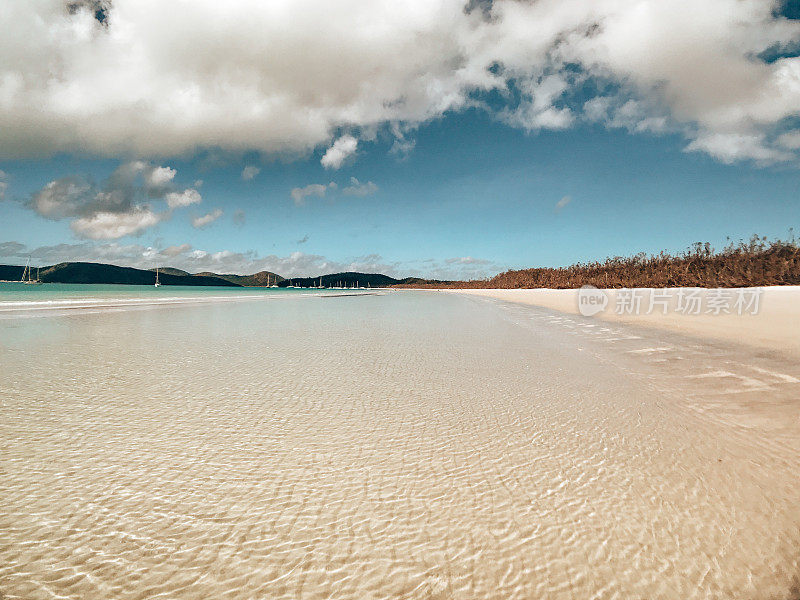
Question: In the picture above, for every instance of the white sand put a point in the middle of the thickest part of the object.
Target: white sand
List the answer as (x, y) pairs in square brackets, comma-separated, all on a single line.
[(776, 326)]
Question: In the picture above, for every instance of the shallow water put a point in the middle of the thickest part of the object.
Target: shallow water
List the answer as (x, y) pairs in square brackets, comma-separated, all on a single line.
[(406, 445), (17, 297)]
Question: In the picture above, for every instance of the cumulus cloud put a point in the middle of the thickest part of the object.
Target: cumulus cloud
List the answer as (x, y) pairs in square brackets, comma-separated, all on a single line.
[(112, 225), (467, 260), (249, 172), (561, 204), (185, 198), (207, 219), (299, 194), (340, 151), (64, 197), (176, 250), (147, 78), (356, 188), (159, 178), (730, 147), (117, 208), (12, 249)]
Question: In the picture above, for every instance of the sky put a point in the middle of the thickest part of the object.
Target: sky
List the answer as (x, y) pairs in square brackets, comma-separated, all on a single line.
[(440, 139)]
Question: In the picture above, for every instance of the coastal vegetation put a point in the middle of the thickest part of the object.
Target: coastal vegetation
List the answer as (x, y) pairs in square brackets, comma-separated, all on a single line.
[(756, 262)]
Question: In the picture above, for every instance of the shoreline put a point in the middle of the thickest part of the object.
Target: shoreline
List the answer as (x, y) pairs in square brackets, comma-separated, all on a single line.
[(775, 327)]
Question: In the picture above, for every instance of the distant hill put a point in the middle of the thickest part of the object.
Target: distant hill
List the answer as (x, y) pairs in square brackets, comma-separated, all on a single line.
[(171, 271), (83, 272), (260, 279), (421, 281), (348, 279)]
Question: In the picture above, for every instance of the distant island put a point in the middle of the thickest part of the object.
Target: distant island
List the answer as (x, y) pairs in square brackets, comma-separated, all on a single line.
[(99, 273)]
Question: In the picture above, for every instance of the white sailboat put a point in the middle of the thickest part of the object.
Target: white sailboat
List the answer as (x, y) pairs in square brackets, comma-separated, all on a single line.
[(27, 275), (157, 284)]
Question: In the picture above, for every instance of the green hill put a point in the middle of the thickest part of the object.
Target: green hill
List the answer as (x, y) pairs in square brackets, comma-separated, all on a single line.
[(171, 271), (84, 272), (260, 279)]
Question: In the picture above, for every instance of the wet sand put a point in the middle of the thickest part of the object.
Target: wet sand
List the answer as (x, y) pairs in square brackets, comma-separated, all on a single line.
[(775, 327), (411, 445)]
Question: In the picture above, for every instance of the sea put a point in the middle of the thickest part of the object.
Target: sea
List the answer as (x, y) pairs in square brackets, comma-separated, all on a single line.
[(236, 443)]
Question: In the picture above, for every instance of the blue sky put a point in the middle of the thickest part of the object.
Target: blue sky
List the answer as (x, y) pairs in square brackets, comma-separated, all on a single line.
[(551, 166)]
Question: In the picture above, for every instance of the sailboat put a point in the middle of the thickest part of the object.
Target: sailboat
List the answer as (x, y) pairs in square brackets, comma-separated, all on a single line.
[(27, 275), (157, 284)]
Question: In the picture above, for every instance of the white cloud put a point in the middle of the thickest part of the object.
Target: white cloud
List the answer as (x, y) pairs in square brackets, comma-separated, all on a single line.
[(176, 250), (467, 260), (356, 188), (790, 140), (160, 176), (538, 110), (730, 147), (341, 150), (119, 206), (562, 203), (111, 226), (286, 76), (207, 219), (62, 198), (249, 172), (185, 198), (299, 194)]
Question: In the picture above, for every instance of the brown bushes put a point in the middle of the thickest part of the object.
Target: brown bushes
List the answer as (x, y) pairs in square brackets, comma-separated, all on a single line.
[(747, 264)]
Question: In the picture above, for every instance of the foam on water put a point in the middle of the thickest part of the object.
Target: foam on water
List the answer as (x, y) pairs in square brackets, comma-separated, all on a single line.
[(409, 445), (23, 300)]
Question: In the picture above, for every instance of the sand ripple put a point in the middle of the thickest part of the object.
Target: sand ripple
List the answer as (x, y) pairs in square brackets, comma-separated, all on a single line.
[(398, 446)]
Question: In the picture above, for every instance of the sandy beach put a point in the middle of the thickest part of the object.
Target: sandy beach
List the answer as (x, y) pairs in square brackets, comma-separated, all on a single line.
[(409, 445), (775, 327)]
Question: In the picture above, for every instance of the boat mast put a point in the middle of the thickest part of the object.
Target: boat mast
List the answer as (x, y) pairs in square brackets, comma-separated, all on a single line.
[(25, 270)]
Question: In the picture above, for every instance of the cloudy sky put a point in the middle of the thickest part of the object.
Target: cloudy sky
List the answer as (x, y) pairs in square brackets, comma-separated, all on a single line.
[(437, 138)]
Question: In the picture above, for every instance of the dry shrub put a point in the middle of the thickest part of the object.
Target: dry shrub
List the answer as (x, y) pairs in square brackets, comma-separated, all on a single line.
[(757, 262)]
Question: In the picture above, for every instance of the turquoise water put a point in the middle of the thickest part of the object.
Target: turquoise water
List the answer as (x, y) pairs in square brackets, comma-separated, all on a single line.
[(15, 297)]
